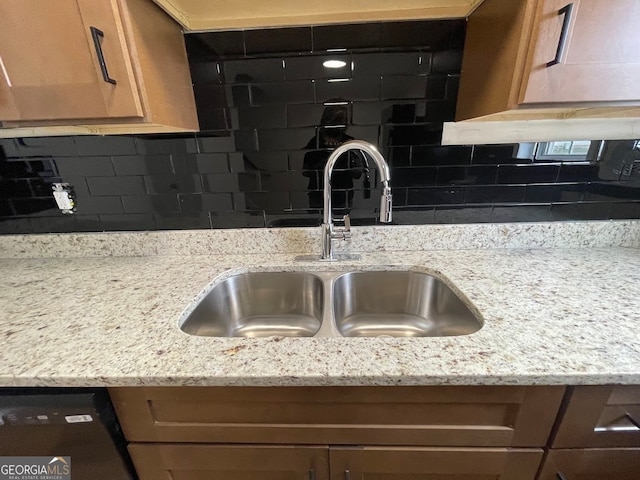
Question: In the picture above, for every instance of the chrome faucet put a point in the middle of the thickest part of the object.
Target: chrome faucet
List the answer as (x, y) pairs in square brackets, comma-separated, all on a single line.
[(329, 230)]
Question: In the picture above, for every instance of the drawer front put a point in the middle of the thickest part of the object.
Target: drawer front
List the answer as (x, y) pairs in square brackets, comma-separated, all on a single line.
[(229, 462), (607, 416), (452, 416), (592, 464)]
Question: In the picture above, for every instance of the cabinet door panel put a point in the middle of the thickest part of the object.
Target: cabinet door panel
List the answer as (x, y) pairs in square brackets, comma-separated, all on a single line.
[(602, 56), (50, 63), (370, 463), (600, 416), (592, 464), (225, 462)]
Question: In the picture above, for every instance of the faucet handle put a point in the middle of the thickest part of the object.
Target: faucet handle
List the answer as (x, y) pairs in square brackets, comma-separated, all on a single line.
[(343, 232)]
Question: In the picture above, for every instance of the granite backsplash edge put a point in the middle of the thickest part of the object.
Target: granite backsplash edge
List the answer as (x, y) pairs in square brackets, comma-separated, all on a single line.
[(306, 240)]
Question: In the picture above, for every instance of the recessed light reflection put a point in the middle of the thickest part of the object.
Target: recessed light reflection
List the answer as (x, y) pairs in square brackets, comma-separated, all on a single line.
[(334, 64)]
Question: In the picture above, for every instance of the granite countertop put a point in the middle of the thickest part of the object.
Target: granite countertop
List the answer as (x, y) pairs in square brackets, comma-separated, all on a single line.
[(552, 316)]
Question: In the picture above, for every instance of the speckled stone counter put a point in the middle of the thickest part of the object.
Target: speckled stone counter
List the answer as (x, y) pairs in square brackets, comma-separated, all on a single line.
[(552, 316)]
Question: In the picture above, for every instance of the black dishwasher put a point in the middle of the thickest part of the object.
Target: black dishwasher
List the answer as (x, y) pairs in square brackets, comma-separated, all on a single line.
[(73, 432)]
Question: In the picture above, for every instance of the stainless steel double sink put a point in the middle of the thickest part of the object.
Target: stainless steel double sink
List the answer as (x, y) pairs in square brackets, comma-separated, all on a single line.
[(328, 304)]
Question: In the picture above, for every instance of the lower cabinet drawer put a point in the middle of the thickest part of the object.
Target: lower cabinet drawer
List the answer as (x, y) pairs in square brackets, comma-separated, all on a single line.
[(495, 416), (592, 464), (234, 462)]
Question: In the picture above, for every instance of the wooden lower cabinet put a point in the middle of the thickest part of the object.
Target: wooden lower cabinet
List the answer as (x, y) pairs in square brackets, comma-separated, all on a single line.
[(233, 462), (396, 463), (592, 464), (229, 462)]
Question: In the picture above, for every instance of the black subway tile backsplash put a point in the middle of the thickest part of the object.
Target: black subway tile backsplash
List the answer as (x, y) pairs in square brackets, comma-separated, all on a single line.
[(271, 112)]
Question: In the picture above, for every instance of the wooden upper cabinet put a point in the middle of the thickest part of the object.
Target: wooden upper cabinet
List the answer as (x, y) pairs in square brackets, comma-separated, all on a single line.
[(592, 464), (600, 61), (113, 66), (50, 61), (509, 72)]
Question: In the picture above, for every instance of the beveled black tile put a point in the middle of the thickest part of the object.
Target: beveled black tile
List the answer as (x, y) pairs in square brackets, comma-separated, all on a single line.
[(430, 134), (458, 34), (267, 201), (16, 169), (45, 146), (98, 205), (237, 219), (210, 96), (206, 71), (129, 222), (254, 70), (452, 87), (435, 111), (249, 182), (214, 44), (578, 173), (580, 211), (536, 173), (493, 154), (413, 176), (437, 155), (403, 87), (494, 194), (131, 185), (521, 213), (296, 91), (246, 140), (398, 156), (58, 224), (8, 148), (436, 87), (84, 166), (221, 182), (561, 192), (215, 144), (89, 145), (446, 61), (384, 113), (278, 40), (43, 167), (351, 90), (369, 134), (211, 163), (613, 191), (271, 116), (259, 161), (435, 196), (284, 182), (142, 165), (183, 221), (285, 138), (353, 36), (467, 175), (462, 214), (413, 215), (5, 208), (151, 203), (166, 144), (434, 34), (312, 67), (41, 187), (386, 64), (624, 210), (293, 219), (207, 202), (11, 188), (214, 118), (235, 95), (35, 206), (308, 115), (158, 184)]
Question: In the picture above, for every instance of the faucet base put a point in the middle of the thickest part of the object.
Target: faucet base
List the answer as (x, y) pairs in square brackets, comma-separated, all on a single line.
[(336, 257)]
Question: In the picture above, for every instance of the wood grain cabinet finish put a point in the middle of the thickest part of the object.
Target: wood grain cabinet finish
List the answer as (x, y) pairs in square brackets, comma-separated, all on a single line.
[(507, 72), (600, 416), (229, 462), (114, 66), (592, 464), (421, 416)]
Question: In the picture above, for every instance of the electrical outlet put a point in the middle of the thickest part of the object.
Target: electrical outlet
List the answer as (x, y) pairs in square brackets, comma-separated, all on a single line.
[(64, 196)]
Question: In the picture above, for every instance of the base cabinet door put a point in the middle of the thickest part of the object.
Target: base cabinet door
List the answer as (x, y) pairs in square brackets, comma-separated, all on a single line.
[(229, 462), (376, 463), (592, 464)]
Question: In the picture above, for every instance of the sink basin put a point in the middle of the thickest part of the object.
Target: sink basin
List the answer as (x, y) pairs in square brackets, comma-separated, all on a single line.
[(330, 304), (260, 304), (399, 304)]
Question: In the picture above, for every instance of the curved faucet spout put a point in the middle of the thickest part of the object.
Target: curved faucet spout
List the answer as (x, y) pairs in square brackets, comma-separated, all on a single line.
[(328, 230)]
